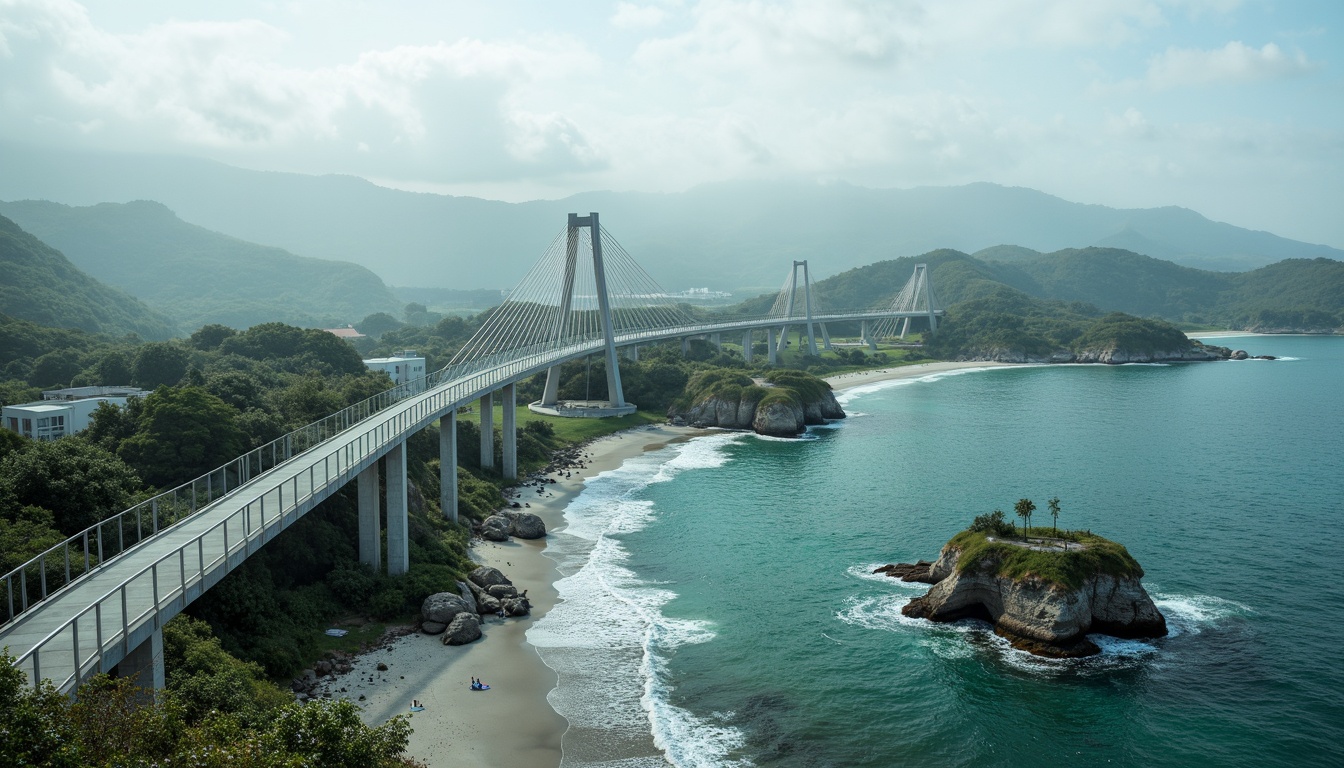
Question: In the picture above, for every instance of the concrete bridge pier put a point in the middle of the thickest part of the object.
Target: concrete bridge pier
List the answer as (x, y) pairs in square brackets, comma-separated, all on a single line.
[(370, 526), (685, 345), (825, 336), (398, 526), (746, 346), (717, 339), (144, 664), (770, 346), (487, 407), (509, 429), (448, 465), (866, 335), (632, 353)]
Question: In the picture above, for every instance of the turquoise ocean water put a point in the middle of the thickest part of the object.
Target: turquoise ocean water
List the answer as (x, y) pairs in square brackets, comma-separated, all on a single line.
[(718, 595)]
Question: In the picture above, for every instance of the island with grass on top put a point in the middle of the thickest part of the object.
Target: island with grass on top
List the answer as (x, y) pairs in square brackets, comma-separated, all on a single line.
[(1043, 589)]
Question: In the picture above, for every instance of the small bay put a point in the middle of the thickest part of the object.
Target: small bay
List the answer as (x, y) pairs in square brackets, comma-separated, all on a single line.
[(720, 591)]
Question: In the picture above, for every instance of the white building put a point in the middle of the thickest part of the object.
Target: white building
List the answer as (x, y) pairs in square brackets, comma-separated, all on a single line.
[(404, 368), (62, 412)]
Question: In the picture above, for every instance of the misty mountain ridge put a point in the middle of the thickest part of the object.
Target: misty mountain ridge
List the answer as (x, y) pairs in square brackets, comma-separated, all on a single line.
[(42, 286), (737, 236), (197, 276)]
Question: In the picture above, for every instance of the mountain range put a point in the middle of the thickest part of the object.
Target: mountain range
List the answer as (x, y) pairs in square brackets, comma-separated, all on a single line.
[(738, 236), (42, 286), (196, 276)]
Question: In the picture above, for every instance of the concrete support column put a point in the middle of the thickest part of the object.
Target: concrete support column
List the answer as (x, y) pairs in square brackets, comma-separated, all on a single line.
[(632, 352), (718, 340), (552, 391), (825, 336), (487, 408), (448, 465), (866, 335), (746, 346), (370, 527), (905, 328), (770, 345), (685, 345), (510, 430), (783, 338), (144, 664), (398, 527)]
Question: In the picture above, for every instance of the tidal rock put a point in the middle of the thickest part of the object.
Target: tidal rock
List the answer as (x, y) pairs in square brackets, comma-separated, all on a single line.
[(486, 577), (518, 606), (526, 525), (1239, 354), (495, 528), (442, 608), (919, 571), (487, 604), (466, 628)]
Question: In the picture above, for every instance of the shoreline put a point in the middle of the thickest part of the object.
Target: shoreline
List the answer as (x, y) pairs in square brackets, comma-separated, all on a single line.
[(512, 724)]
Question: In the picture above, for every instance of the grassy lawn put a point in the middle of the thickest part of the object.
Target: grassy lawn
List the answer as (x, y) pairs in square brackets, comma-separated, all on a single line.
[(361, 634)]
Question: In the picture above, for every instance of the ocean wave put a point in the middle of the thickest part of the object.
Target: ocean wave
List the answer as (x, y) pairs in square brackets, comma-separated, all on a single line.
[(607, 637), (1192, 614)]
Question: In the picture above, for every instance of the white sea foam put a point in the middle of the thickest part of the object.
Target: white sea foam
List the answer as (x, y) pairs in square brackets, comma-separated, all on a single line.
[(1192, 614), (607, 637)]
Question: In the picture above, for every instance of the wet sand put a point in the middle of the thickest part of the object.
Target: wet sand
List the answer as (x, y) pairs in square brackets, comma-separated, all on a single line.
[(845, 381)]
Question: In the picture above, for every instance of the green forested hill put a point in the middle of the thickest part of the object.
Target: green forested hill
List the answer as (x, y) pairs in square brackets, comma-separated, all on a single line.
[(1294, 294), (41, 285), (197, 276)]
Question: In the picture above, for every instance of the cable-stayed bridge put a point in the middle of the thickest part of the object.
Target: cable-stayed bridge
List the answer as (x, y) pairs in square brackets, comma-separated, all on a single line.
[(98, 601)]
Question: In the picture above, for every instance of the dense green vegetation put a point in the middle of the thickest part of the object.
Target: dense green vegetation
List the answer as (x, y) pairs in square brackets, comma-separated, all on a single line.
[(992, 541), (42, 286), (216, 712), (196, 276)]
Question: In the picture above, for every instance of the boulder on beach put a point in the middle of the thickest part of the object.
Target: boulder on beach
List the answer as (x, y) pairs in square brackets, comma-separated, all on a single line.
[(501, 591), (486, 577), (526, 525), (496, 528), (432, 627), (518, 606), (466, 628), (440, 609), (464, 590)]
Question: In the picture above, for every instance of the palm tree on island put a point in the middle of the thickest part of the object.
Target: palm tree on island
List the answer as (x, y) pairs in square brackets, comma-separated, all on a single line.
[(1053, 504)]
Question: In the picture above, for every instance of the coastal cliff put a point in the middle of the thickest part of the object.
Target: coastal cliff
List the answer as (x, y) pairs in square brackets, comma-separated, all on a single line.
[(1040, 596), (1109, 355), (781, 405)]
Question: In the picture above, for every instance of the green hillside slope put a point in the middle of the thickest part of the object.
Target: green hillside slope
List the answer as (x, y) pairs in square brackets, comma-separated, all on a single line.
[(197, 276), (43, 286)]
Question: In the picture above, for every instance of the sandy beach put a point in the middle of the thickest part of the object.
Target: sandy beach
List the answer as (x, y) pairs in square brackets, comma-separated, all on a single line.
[(512, 724), (845, 381)]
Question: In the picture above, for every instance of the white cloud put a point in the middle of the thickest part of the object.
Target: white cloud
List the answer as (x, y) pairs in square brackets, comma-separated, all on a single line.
[(1234, 63), (631, 16)]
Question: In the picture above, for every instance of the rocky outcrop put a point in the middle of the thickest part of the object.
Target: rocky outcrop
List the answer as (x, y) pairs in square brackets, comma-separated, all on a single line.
[(786, 415), (1041, 617), (1196, 353)]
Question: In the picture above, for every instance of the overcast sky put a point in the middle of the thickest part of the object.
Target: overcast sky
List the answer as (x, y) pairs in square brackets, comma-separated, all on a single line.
[(1234, 108)]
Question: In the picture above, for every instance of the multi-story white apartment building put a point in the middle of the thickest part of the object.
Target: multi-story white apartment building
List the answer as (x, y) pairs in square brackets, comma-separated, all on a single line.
[(62, 412)]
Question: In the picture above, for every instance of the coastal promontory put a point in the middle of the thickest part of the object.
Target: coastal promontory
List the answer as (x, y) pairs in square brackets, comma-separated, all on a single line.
[(781, 404), (1043, 592)]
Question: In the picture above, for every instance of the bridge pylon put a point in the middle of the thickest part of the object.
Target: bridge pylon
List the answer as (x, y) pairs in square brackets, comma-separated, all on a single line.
[(785, 307)]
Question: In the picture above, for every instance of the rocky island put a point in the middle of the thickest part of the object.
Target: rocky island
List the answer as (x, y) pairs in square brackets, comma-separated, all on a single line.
[(781, 404), (1043, 593)]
